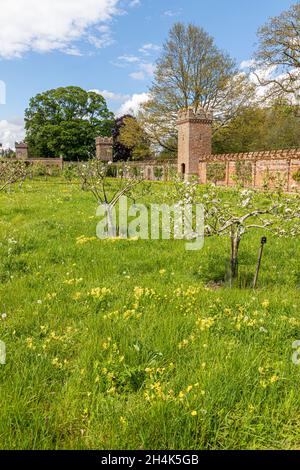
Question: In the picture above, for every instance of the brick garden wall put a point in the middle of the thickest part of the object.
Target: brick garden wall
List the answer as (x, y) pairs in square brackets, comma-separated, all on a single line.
[(257, 165)]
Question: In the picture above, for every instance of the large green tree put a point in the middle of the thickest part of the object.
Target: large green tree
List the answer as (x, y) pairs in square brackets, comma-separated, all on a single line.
[(66, 121), (260, 128), (133, 136)]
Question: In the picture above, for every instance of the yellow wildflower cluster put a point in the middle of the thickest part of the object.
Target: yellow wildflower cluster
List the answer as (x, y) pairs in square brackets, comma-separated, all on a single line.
[(123, 421), (155, 391), (50, 342), (267, 377), (77, 296), (153, 372), (112, 315), (29, 343), (290, 320), (128, 314), (51, 296), (140, 292), (59, 364), (265, 304), (242, 318), (205, 323), (53, 337), (83, 240), (100, 293), (114, 366), (190, 292), (185, 343)]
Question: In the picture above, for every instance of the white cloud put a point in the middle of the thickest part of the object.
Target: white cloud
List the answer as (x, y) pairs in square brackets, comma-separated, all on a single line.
[(101, 37), (147, 48), (47, 25), (130, 59), (172, 13), (110, 95), (134, 3), (133, 104), (138, 75), (246, 64), (11, 132), (73, 51), (146, 70)]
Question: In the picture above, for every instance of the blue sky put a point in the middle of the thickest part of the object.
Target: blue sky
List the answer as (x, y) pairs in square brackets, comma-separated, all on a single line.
[(107, 45)]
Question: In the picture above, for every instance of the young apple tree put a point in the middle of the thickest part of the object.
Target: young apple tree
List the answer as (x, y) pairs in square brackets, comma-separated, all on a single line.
[(11, 172), (236, 213), (107, 191)]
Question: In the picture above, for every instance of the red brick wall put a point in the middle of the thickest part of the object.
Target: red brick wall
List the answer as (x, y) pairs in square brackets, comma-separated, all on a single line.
[(268, 163)]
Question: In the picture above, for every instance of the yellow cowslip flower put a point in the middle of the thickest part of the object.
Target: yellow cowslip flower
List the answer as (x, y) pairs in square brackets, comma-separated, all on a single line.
[(263, 384), (99, 292), (228, 311), (56, 363), (77, 296), (185, 342), (123, 421), (30, 345), (51, 296), (162, 272), (189, 388), (274, 379), (194, 413), (265, 303), (138, 292), (205, 323), (82, 240)]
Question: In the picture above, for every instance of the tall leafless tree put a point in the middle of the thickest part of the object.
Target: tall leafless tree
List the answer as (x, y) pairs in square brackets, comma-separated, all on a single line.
[(193, 72), (278, 55)]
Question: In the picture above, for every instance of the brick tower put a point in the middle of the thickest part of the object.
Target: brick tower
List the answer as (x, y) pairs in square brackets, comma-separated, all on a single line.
[(104, 149), (194, 139)]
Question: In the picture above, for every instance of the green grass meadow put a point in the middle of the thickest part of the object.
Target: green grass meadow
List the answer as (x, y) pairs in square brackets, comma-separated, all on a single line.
[(115, 344)]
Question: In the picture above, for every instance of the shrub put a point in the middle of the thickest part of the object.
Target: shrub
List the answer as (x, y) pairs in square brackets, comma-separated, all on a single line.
[(70, 171), (296, 176), (158, 172), (38, 170), (216, 172)]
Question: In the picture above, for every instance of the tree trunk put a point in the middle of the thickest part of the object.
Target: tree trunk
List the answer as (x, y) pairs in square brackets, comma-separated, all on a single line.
[(111, 219), (234, 266)]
